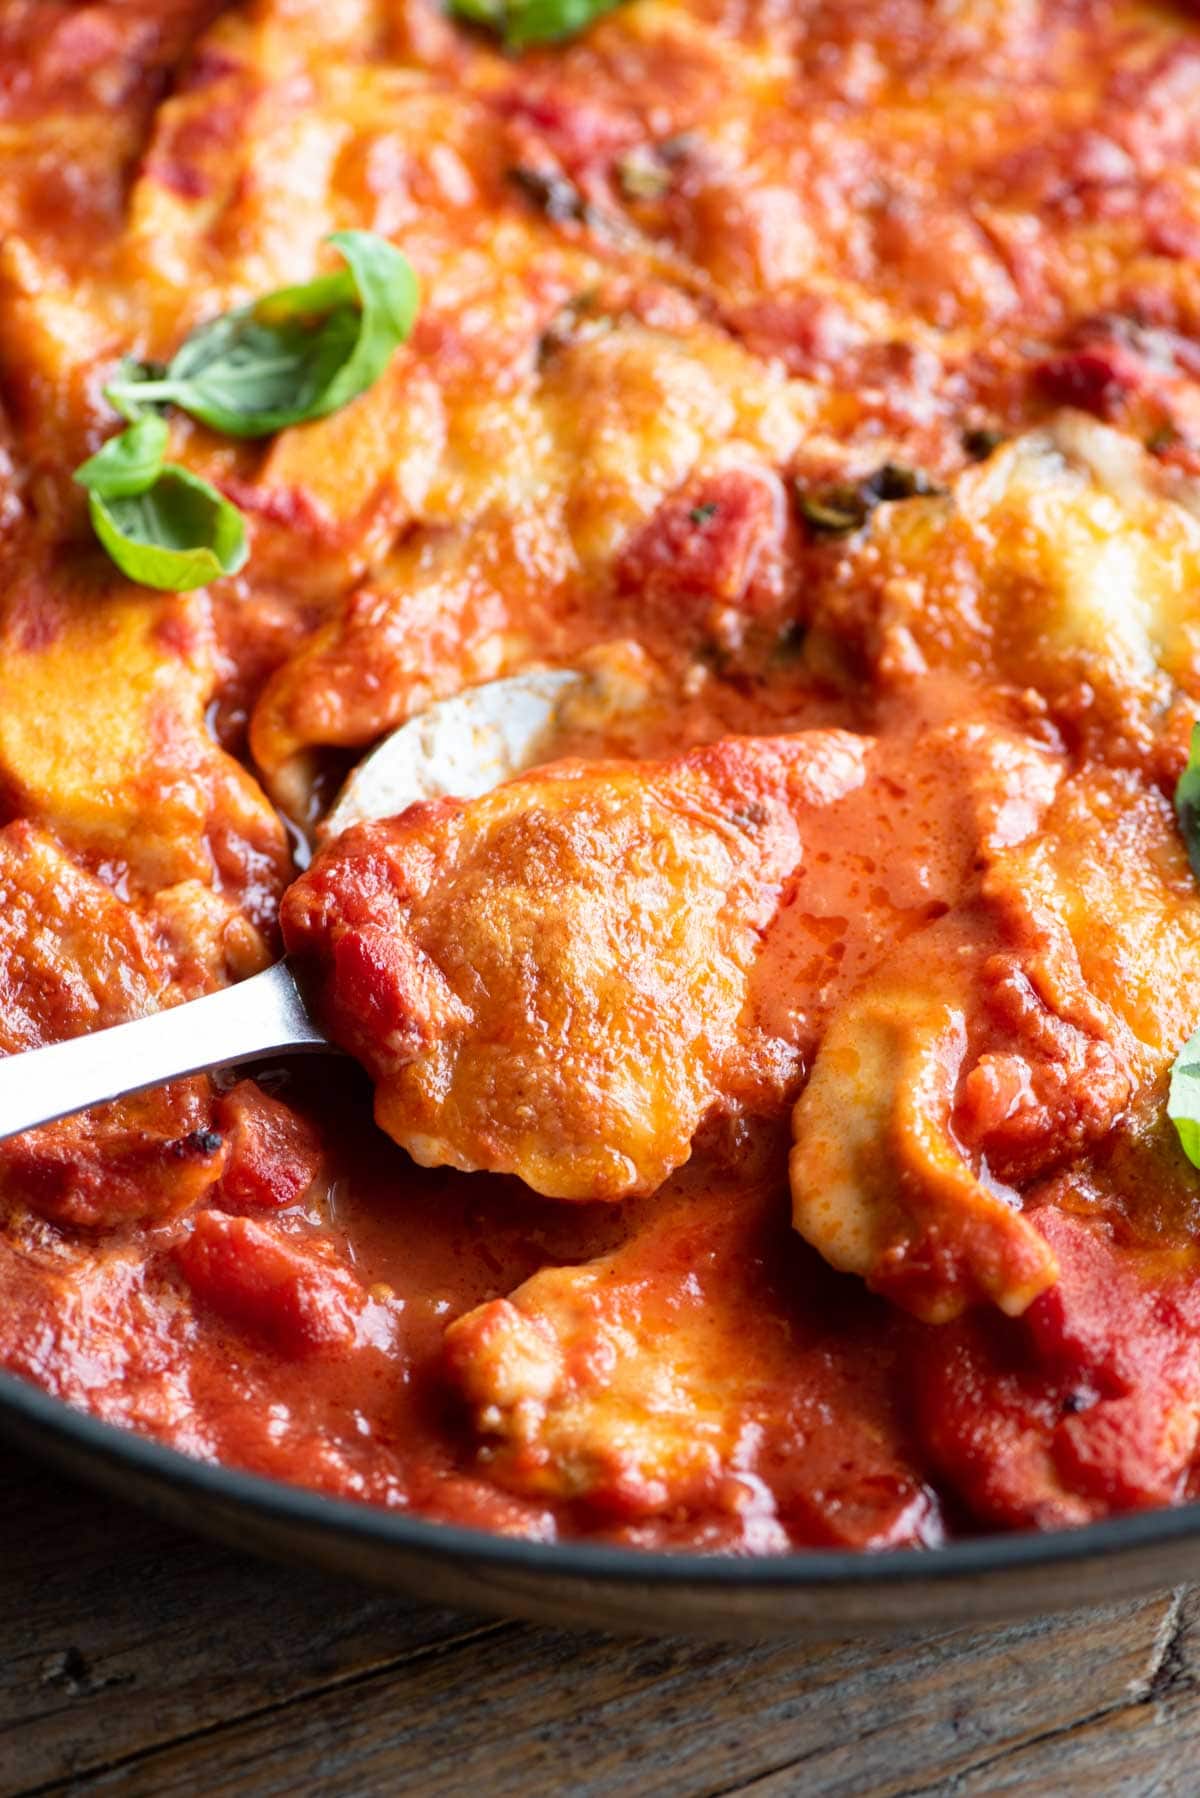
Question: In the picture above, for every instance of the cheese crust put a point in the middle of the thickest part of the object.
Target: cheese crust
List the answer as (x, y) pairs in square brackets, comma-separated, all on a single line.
[(826, 377)]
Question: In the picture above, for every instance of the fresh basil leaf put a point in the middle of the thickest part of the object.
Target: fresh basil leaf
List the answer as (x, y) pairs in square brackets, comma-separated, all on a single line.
[(1183, 1099), (834, 511), (837, 511), (312, 300), (525, 22), (298, 354), (489, 13), (129, 462), (132, 375), (176, 534), (1187, 802), (982, 441)]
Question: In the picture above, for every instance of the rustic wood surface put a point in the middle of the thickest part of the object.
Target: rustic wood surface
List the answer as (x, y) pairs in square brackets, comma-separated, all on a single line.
[(138, 1660)]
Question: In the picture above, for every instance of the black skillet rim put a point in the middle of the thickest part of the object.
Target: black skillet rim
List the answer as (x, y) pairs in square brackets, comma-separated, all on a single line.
[(316, 1512)]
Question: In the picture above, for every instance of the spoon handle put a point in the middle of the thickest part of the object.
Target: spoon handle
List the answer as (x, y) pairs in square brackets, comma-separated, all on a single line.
[(257, 1017)]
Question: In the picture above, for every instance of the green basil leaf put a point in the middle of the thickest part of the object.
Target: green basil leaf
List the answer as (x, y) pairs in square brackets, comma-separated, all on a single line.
[(489, 13), (312, 300), (297, 354), (176, 534), (130, 376), (1187, 802), (837, 511), (525, 22), (1183, 1099), (129, 462)]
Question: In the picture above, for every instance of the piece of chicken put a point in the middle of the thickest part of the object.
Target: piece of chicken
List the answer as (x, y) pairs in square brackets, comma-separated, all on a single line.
[(121, 766), (881, 1185), (551, 980), (1062, 574), (562, 978), (997, 1046), (701, 1366), (634, 448)]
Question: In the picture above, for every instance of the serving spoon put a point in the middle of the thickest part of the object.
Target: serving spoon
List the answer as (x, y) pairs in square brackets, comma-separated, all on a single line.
[(461, 746)]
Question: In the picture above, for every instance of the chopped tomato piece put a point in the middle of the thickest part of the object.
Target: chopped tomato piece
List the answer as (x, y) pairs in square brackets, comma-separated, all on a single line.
[(1091, 1403), (270, 1285), (1098, 377), (274, 1154), (718, 543)]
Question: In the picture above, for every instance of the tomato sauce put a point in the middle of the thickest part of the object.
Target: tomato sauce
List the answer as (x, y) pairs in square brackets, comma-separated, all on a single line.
[(760, 1139)]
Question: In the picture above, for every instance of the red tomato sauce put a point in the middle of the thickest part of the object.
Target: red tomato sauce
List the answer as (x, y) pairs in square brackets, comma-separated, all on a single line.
[(822, 381)]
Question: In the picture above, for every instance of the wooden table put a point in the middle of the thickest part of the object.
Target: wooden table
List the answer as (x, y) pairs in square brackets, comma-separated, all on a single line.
[(138, 1660)]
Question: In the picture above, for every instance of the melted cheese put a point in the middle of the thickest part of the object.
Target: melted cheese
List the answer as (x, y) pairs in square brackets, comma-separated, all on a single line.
[(102, 737), (708, 258), (1042, 570)]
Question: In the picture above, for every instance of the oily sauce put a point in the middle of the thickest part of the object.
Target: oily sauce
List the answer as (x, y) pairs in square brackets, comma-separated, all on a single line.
[(824, 380)]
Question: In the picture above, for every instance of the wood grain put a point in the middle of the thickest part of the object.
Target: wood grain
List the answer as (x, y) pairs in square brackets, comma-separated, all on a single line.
[(136, 1660), (117, 1632)]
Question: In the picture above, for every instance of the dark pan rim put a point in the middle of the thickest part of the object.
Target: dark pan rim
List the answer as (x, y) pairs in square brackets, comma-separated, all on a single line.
[(316, 1512)]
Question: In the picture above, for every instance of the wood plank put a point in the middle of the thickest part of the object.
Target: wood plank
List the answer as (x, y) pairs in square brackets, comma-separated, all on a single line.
[(136, 1660), (1140, 1753), (1148, 1750), (1145, 1742), (118, 1633), (537, 1711)]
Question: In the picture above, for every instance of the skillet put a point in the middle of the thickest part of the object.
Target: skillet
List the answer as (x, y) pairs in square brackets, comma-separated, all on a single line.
[(818, 1594)]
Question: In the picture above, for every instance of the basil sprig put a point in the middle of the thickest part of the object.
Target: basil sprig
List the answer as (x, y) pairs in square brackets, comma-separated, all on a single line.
[(128, 463), (1183, 1098), (298, 354), (162, 525), (524, 22), (1187, 802)]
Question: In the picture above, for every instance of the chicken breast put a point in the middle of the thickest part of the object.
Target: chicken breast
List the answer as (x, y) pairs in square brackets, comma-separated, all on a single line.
[(700, 1368), (551, 980), (999, 1045)]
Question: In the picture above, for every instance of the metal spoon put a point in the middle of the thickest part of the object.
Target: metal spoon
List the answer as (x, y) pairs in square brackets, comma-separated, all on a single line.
[(463, 746)]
